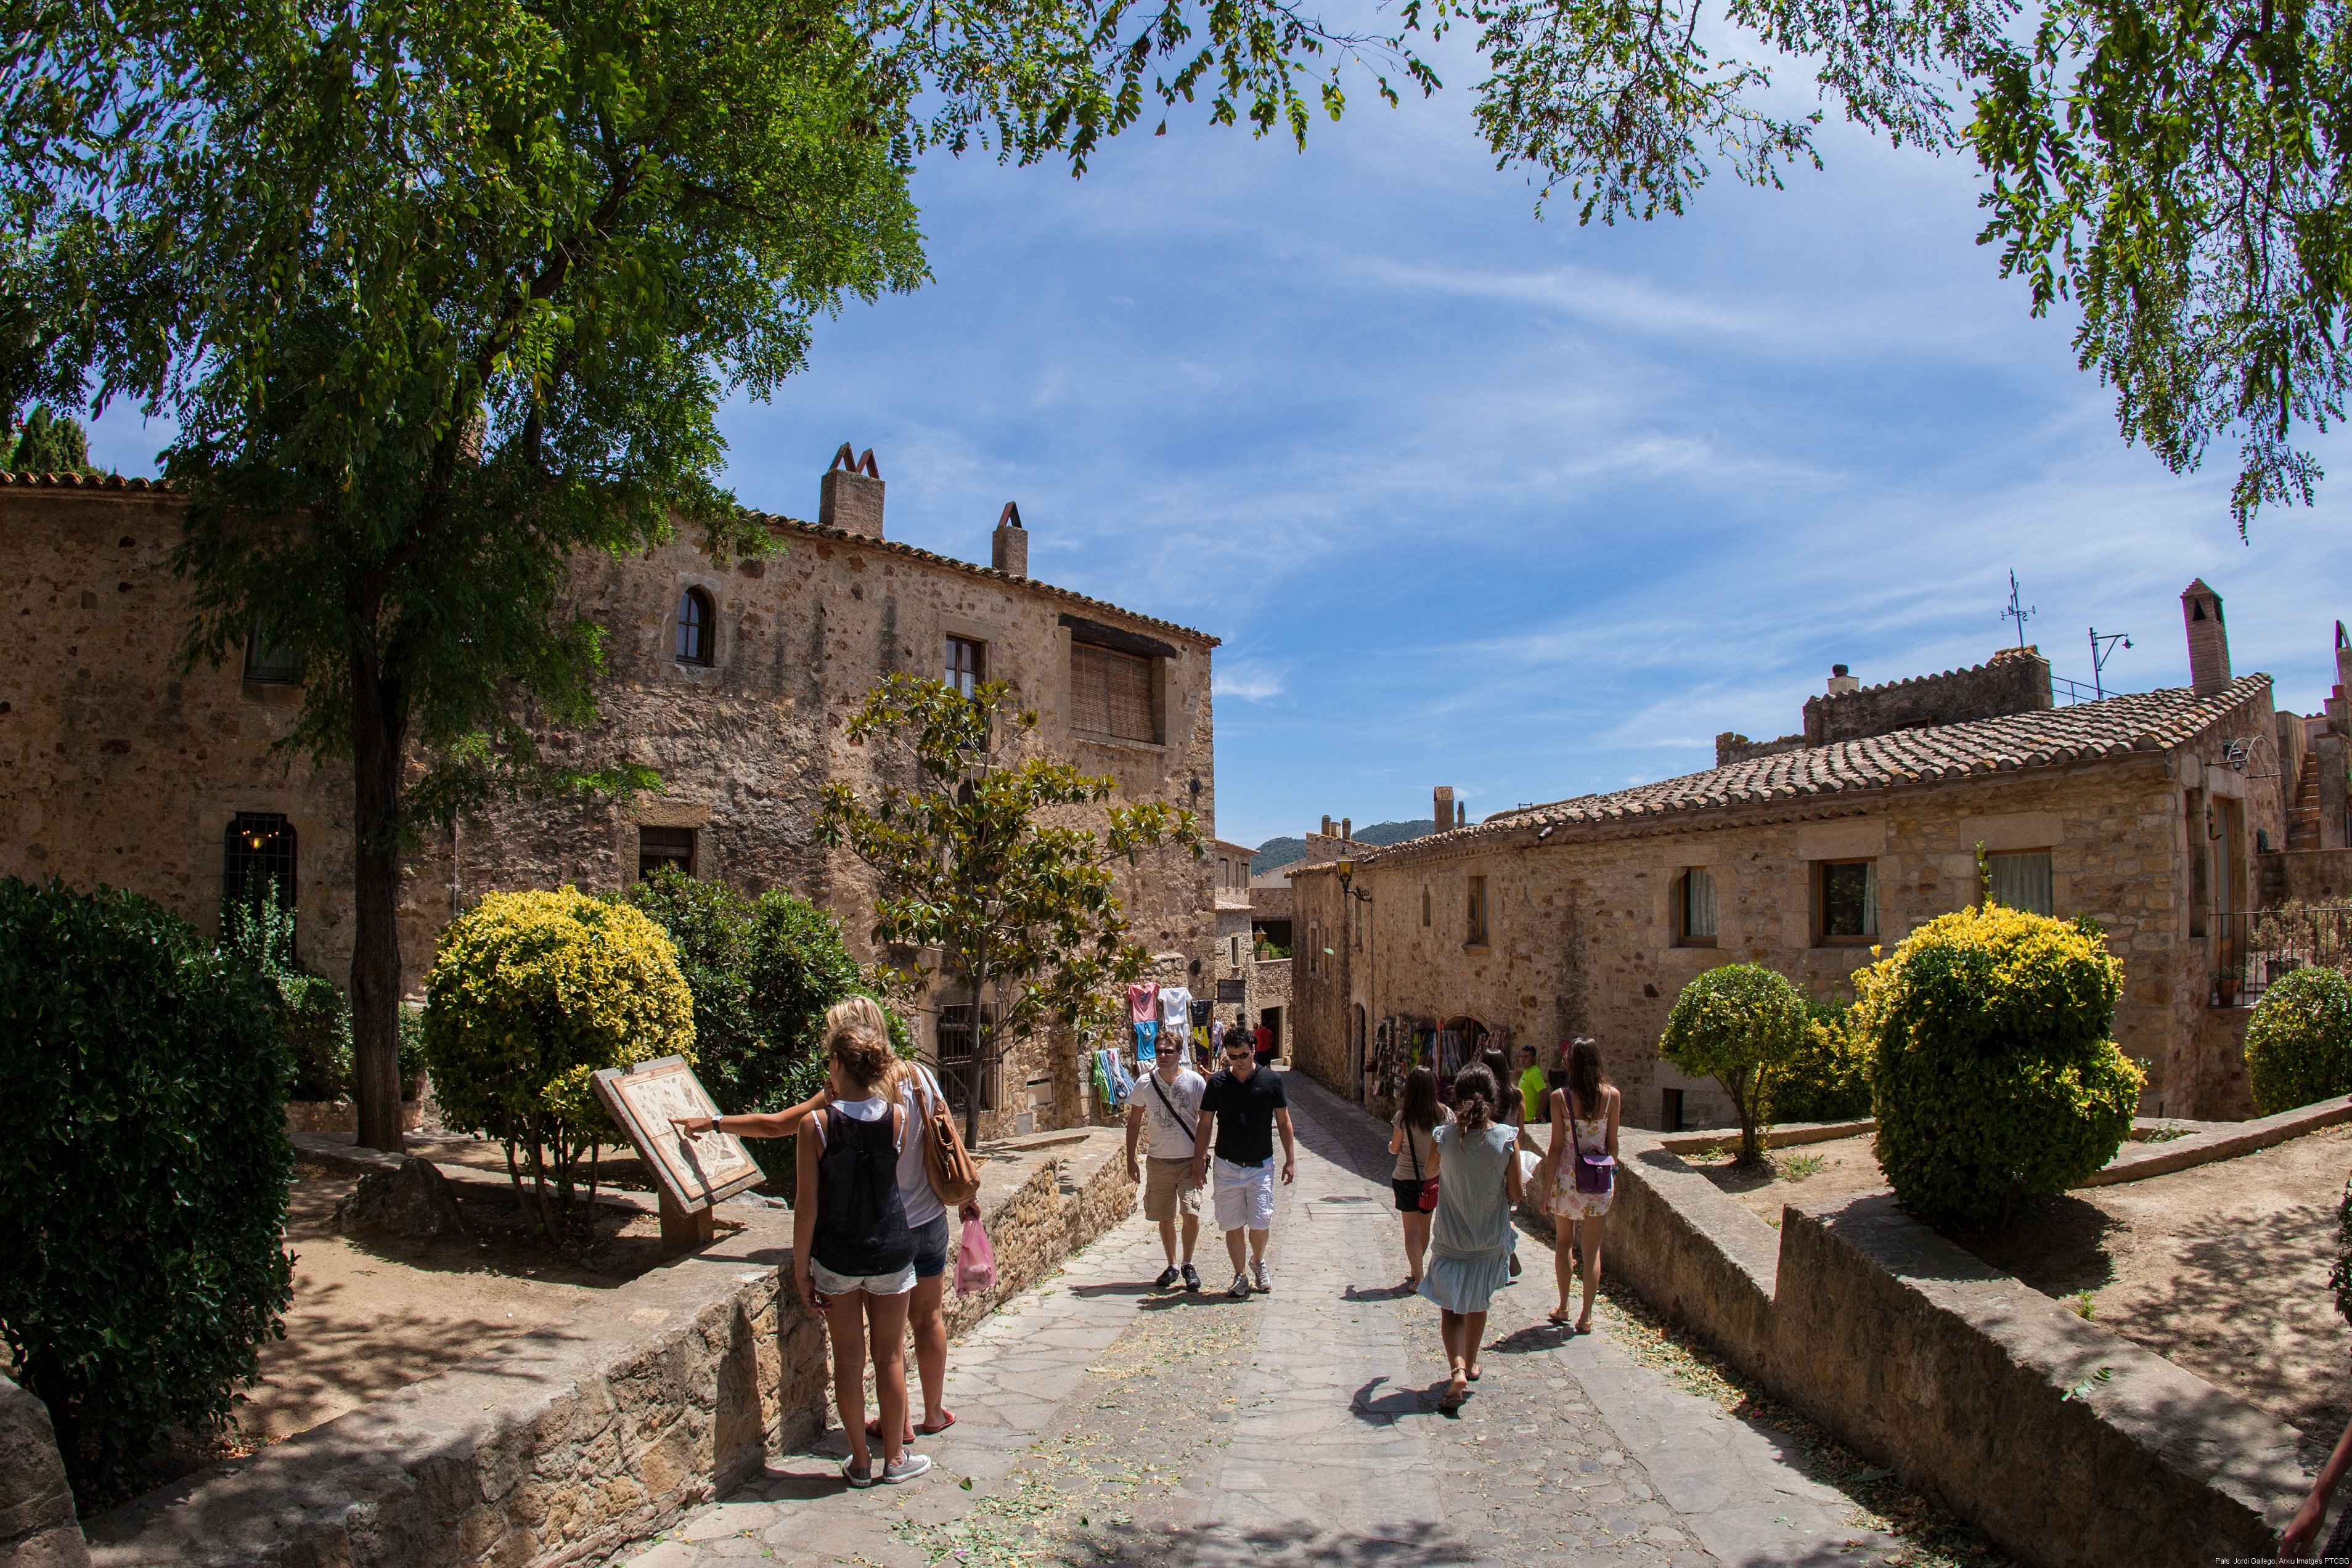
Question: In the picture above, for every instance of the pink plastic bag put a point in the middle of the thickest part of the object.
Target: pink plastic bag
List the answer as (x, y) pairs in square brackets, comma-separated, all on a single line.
[(975, 1260)]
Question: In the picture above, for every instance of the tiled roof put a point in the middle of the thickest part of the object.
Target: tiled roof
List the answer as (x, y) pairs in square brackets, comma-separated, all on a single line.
[(117, 482), (81, 482), (2142, 721), (892, 547)]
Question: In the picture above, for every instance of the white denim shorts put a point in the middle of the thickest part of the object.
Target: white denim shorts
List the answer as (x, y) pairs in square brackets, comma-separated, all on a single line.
[(1244, 1195), (832, 1284)]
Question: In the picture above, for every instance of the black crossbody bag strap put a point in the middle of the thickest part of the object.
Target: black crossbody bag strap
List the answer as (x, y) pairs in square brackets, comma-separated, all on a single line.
[(1189, 1131)]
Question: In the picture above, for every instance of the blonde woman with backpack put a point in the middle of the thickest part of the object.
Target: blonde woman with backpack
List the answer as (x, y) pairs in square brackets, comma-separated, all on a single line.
[(1582, 1168)]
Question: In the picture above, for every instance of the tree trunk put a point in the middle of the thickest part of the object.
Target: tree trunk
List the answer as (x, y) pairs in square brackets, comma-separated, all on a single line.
[(976, 1075), (379, 733)]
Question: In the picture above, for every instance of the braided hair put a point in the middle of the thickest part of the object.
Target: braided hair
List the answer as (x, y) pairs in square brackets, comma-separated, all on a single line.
[(1474, 1095)]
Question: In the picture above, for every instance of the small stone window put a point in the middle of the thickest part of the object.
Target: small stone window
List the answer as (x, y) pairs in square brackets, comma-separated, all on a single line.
[(1475, 908), (1236, 941), (2021, 881), (967, 663), (1424, 903), (956, 1046), (665, 846), (1694, 908), (698, 628), (257, 857), (268, 662), (1845, 903)]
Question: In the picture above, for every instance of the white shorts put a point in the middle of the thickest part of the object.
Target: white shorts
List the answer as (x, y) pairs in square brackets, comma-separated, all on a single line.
[(1244, 1195), (897, 1283)]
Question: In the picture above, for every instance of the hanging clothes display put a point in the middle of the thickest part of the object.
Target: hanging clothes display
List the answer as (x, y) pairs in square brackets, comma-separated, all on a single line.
[(1143, 1007)]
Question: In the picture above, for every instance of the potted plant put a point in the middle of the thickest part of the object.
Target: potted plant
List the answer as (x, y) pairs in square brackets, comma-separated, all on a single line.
[(2226, 983)]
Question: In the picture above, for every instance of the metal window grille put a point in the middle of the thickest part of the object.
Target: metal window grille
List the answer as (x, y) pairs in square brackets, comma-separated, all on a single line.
[(2022, 880), (967, 663), (956, 1045), (268, 662), (695, 626), (660, 846), (1110, 694), (259, 854)]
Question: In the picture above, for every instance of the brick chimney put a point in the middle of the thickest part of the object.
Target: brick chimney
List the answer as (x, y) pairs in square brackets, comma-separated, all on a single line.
[(850, 497), (2208, 640), (1008, 547), (1441, 806)]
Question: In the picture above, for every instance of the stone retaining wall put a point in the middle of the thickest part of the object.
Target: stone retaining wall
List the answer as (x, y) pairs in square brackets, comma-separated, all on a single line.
[(563, 1445), (1972, 1386)]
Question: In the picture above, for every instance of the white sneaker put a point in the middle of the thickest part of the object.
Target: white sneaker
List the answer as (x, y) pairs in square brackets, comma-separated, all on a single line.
[(908, 1467), (1239, 1289), (1257, 1275)]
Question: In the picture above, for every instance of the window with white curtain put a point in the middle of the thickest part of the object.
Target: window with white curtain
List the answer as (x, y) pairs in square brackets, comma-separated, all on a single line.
[(2021, 881), (1696, 917)]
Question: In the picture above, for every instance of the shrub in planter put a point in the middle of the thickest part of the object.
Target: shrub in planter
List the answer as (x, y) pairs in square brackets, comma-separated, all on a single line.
[(311, 1012), (530, 994), (144, 1172), (2299, 1041), (763, 971), (1827, 1078), (1994, 1071), (1739, 1024)]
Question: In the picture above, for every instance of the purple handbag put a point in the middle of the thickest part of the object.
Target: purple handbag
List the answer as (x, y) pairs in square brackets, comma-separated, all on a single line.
[(1595, 1172)]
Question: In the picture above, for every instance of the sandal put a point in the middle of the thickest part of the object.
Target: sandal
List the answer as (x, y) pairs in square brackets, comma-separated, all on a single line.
[(1559, 1319), (874, 1431), (1454, 1396), (1474, 1373), (926, 1429)]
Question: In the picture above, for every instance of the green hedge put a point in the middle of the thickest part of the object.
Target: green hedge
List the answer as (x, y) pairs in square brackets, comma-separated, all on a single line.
[(762, 971), (1994, 1074), (144, 1173), (2299, 1041), (1827, 1078)]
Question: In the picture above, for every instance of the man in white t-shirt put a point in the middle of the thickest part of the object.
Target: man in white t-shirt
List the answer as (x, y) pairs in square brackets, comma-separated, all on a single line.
[(1167, 1105)]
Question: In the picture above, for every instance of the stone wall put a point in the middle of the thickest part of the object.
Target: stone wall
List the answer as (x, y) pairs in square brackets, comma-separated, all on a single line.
[(1731, 747), (2312, 876), (1974, 1388), (37, 1527), (116, 767), (2013, 680), (1581, 938)]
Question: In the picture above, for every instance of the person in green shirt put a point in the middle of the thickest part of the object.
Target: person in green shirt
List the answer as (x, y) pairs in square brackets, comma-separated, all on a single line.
[(1534, 1088)]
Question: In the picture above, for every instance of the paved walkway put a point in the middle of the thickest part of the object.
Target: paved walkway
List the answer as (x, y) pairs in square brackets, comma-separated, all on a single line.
[(1099, 1422)]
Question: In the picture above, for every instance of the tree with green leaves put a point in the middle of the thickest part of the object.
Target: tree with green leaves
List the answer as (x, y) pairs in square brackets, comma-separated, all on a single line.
[(2181, 172), (439, 295), (977, 865), (47, 443), (1739, 1024)]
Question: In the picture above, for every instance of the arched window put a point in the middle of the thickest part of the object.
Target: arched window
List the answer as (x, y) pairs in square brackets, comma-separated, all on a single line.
[(696, 627)]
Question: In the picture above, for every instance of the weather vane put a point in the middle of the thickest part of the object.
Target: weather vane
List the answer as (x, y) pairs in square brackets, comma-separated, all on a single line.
[(2016, 612)]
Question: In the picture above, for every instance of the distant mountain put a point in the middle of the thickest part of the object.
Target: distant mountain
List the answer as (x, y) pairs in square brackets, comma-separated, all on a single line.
[(1276, 852)]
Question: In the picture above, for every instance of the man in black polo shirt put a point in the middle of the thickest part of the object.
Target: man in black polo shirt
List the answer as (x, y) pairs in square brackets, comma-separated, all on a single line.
[(1239, 1112)]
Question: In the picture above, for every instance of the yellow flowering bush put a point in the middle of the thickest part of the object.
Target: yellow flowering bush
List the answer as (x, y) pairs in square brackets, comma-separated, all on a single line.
[(530, 995), (1994, 1070)]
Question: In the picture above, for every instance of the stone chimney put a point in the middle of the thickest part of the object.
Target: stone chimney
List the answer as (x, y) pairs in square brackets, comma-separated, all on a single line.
[(1008, 547), (1347, 828), (1841, 682), (1441, 806), (850, 497), (1325, 828), (2209, 640)]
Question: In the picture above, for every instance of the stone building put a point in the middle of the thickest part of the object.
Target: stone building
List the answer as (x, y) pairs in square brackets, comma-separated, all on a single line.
[(734, 683), (1588, 916)]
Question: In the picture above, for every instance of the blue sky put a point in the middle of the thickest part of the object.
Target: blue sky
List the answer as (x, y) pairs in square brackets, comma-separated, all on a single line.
[(1524, 508)]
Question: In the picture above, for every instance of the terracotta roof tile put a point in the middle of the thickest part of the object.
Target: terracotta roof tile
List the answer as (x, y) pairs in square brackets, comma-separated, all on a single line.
[(2142, 721), (81, 481)]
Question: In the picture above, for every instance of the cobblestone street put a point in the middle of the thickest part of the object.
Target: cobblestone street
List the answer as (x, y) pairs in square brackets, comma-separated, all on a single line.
[(1102, 1421)]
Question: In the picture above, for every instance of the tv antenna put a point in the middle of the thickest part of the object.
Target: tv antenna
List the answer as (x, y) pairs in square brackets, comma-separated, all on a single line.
[(2016, 612), (2102, 648)]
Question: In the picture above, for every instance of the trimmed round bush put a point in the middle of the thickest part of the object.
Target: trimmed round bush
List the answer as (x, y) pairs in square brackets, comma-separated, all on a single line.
[(1994, 1073), (2299, 1041), (532, 993), (144, 1173), (1738, 1023)]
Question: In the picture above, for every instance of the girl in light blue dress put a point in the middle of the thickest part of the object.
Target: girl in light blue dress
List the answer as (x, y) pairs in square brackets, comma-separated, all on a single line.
[(1470, 1234)]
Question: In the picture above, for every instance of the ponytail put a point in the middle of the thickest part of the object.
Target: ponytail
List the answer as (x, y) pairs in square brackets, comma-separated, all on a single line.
[(1474, 1095)]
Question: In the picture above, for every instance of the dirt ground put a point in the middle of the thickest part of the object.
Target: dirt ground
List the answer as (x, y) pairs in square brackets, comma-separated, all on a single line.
[(2220, 1268), (373, 1316)]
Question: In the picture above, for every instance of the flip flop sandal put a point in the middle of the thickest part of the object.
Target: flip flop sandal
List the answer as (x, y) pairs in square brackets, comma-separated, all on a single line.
[(874, 1431), (927, 1430), (1475, 1371), (1453, 1399)]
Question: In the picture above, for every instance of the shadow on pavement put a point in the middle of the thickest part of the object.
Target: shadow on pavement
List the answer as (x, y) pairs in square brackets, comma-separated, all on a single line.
[(1270, 1546)]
